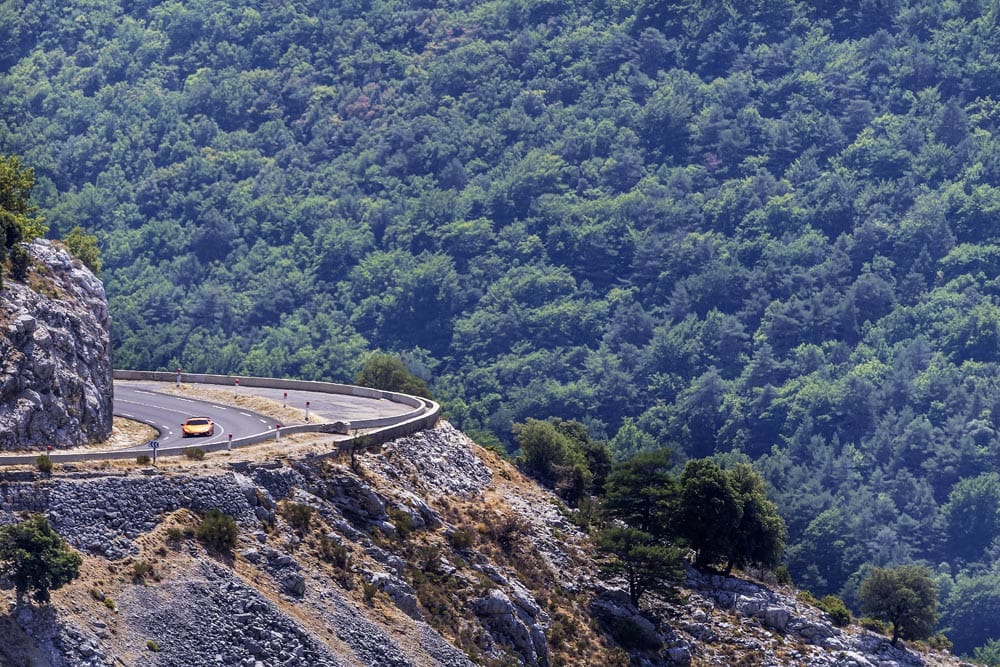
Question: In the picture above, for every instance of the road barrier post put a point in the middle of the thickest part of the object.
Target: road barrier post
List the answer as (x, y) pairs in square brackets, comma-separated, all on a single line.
[(229, 445), (307, 412), (178, 377), (236, 387), (284, 401), (277, 432)]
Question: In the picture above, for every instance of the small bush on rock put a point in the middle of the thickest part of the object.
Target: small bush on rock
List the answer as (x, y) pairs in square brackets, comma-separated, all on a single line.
[(403, 522), (140, 570), (194, 453), (218, 532), (299, 516), (874, 624), (44, 464), (152, 646), (461, 539), (334, 553), (836, 609), (631, 636)]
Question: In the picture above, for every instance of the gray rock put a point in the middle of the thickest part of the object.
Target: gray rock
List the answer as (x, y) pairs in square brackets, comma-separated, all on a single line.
[(55, 372), (400, 592), (293, 583), (776, 617), (511, 625), (679, 655)]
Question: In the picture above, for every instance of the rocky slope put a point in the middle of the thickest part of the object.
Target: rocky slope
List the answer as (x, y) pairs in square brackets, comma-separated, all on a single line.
[(426, 551), (55, 358)]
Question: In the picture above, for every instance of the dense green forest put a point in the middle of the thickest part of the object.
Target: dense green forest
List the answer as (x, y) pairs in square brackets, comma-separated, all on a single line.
[(762, 229)]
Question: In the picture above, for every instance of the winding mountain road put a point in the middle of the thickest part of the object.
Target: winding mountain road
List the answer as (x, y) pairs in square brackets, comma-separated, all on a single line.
[(149, 403), (371, 416)]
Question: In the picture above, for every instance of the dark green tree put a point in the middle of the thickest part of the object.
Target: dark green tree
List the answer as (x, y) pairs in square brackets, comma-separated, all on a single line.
[(642, 492), (36, 558), (905, 596), (709, 511), (18, 218), (646, 563), (972, 514), (84, 247), (384, 371), (759, 538), (970, 611), (554, 458)]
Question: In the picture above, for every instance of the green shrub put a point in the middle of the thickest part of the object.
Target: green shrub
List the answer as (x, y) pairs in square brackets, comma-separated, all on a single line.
[(403, 522), (334, 553), (142, 459), (175, 534), (298, 516), (369, 590), (782, 575), (836, 609), (194, 453), (218, 531), (461, 539), (807, 597), (44, 464), (140, 570), (152, 646), (874, 624), (631, 636)]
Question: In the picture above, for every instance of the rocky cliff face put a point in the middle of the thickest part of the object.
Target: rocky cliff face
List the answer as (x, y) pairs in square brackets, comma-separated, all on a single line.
[(55, 355), (425, 551)]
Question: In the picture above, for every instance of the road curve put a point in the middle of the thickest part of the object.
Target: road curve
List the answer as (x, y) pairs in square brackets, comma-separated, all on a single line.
[(141, 402)]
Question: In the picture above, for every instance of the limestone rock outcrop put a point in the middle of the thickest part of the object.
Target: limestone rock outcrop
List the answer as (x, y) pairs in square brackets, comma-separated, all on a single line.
[(55, 354)]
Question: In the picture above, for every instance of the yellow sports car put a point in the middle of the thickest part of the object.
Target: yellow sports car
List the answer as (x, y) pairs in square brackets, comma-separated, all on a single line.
[(197, 426)]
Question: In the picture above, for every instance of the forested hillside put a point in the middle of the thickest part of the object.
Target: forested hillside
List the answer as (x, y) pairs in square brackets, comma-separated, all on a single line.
[(761, 227)]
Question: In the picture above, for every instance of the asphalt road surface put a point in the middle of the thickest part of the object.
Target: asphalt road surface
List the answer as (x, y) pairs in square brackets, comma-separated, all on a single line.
[(166, 413)]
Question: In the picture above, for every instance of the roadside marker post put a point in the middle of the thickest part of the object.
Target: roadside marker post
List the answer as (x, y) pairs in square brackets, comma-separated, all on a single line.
[(229, 445), (236, 387), (277, 432), (307, 412), (178, 377), (284, 401)]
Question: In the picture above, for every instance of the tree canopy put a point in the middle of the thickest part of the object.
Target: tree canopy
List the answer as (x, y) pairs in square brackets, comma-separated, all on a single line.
[(36, 558), (904, 596)]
